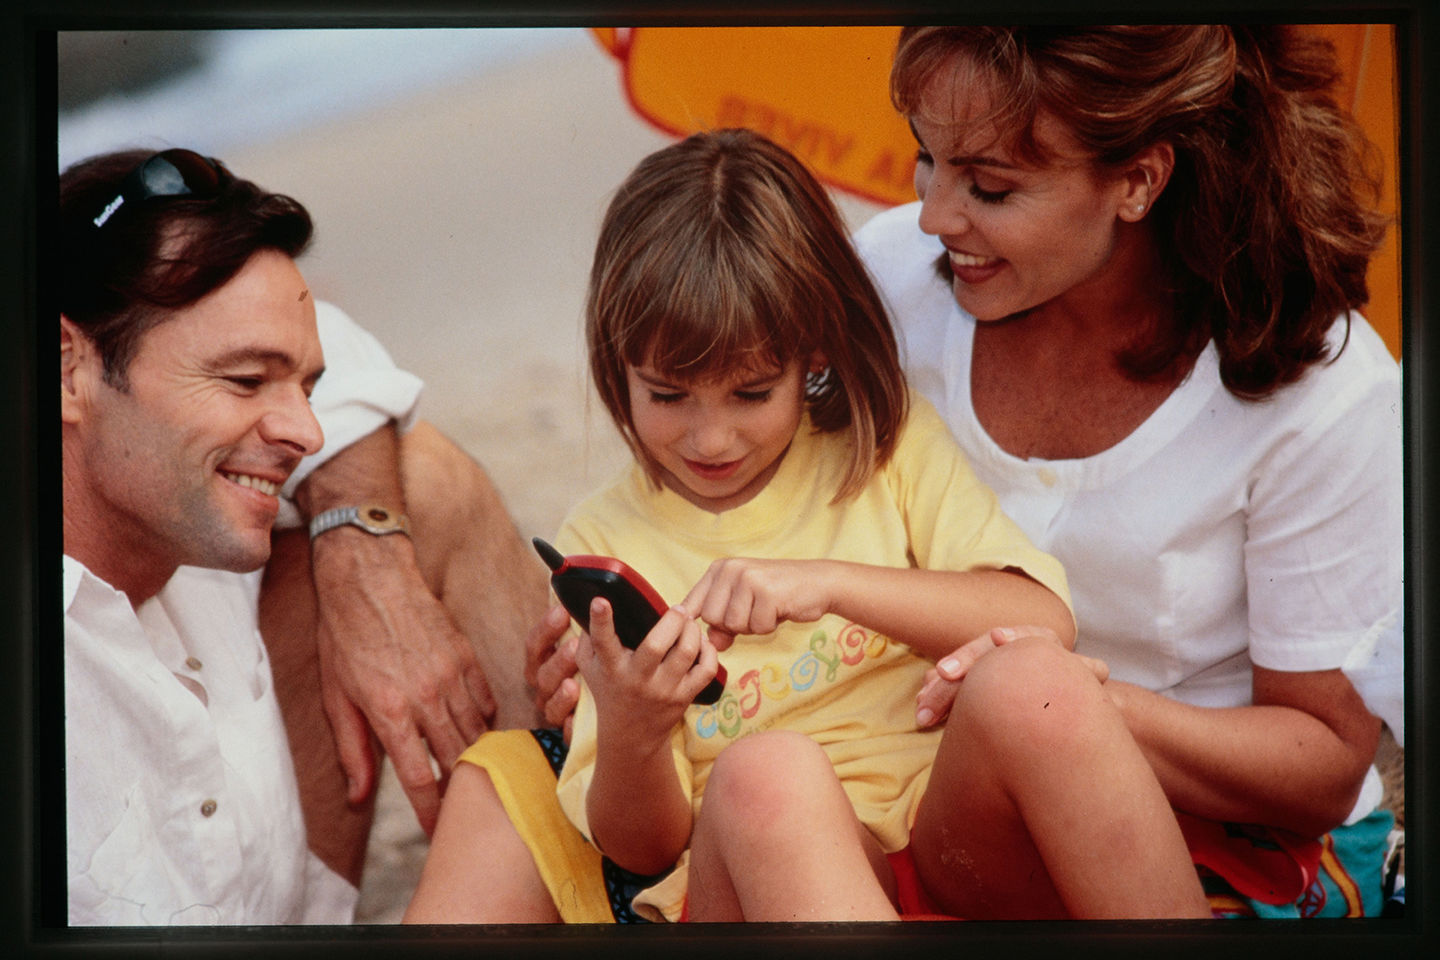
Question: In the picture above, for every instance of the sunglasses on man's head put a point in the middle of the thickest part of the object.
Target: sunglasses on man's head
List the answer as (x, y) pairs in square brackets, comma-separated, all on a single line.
[(170, 173)]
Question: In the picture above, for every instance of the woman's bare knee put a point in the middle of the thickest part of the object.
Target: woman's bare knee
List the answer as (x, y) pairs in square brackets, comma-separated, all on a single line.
[(1031, 695)]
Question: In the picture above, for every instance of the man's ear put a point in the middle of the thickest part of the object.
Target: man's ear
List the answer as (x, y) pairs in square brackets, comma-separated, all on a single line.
[(77, 358), (1145, 179)]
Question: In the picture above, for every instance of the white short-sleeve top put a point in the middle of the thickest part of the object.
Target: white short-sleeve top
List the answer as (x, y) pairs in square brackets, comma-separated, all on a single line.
[(1221, 532)]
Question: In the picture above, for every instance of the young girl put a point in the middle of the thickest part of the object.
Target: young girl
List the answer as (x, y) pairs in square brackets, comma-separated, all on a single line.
[(739, 346)]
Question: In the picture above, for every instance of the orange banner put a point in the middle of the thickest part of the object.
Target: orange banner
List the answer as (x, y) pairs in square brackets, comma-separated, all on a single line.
[(820, 92), (823, 93)]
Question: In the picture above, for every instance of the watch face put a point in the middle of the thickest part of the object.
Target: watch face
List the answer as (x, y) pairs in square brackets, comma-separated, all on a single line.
[(378, 519), (370, 517)]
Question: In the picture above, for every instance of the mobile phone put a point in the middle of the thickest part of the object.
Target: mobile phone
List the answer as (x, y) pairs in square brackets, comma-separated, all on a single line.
[(579, 578)]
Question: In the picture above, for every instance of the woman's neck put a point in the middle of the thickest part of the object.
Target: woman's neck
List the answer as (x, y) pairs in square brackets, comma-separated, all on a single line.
[(1104, 315), (1050, 384)]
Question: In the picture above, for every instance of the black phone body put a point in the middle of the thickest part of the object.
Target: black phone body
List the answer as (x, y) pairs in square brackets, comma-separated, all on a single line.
[(580, 578)]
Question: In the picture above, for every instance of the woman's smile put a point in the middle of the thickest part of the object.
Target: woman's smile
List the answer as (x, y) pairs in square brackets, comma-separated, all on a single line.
[(973, 269)]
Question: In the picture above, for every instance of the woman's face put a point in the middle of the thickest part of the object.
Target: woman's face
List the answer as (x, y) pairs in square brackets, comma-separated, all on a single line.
[(1018, 235)]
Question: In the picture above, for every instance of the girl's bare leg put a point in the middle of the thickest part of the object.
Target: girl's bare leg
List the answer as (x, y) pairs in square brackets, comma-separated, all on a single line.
[(1041, 804), (777, 840), (478, 869)]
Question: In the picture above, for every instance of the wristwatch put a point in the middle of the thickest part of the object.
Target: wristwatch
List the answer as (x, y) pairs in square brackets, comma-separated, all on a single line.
[(370, 517)]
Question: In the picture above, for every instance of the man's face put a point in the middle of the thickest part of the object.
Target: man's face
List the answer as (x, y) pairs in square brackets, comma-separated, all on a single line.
[(184, 467)]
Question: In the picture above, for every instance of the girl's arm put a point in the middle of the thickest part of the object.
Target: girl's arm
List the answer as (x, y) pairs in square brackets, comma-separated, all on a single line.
[(932, 611), (638, 812)]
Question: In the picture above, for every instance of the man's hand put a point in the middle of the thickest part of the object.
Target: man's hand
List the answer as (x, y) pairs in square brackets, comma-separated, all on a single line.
[(390, 655), (392, 658)]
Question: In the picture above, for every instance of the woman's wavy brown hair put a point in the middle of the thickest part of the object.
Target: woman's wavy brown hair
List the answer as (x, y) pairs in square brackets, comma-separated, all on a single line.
[(1268, 223), (722, 253)]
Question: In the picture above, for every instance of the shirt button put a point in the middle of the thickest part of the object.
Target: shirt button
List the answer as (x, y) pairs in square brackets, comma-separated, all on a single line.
[(1048, 477), (207, 809), (193, 663)]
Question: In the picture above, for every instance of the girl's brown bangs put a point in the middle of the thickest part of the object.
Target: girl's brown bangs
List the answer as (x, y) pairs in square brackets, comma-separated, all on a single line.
[(687, 344), (714, 325)]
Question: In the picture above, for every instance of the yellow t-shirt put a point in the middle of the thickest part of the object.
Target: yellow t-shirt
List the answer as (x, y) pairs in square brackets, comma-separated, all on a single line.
[(848, 688)]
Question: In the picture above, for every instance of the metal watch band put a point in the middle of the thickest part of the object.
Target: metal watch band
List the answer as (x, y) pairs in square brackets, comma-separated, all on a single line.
[(370, 517)]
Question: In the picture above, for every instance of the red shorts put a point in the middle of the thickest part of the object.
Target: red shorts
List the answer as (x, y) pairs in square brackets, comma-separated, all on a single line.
[(1270, 865), (915, 903)]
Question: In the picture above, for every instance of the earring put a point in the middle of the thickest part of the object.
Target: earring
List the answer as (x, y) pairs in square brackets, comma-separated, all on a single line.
[(1149, 185)]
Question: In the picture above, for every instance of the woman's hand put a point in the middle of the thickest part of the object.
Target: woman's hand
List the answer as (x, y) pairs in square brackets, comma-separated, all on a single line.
[(642, 694), (746, 596), (942, 681)]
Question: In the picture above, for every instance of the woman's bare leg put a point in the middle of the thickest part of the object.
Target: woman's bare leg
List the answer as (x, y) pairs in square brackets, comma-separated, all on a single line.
[(1041, 804)]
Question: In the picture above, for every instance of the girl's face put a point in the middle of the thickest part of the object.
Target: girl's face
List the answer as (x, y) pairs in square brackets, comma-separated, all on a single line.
[(1018, 236), (719, 441)]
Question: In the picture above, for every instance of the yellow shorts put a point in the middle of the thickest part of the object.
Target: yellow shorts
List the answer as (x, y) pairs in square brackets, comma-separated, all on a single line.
[(523, 777)]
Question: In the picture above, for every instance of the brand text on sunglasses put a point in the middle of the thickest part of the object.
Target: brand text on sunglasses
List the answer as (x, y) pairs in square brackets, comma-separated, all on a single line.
[(109, 210)]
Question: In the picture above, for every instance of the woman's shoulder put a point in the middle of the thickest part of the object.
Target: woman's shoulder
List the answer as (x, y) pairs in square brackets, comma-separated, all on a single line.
[(1359, 369), (1339, 406), (902, 262), (893, 236), (1359, 350)]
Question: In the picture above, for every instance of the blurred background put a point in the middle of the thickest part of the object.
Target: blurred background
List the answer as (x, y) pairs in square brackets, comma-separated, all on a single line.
[(457, 178)]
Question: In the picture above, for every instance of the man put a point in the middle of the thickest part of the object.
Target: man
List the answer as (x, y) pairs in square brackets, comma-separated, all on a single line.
[(189, 347)]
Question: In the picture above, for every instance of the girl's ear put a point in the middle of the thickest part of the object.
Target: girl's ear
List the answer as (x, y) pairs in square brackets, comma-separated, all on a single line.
[(818, 362), (1145, 180)]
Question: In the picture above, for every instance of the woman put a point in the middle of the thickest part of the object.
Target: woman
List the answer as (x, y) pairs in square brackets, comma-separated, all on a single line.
[(1129, 288)]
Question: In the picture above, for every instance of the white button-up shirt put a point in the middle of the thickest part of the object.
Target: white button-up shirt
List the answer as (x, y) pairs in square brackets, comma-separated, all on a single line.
[(181, 800)]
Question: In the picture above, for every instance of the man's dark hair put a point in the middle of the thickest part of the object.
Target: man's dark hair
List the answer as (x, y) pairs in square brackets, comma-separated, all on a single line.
[(158, 255)]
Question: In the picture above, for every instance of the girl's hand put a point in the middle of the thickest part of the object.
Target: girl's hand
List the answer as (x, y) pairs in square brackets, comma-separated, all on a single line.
[(942, 681), (644, 692), (739, 595), (550, 669)]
